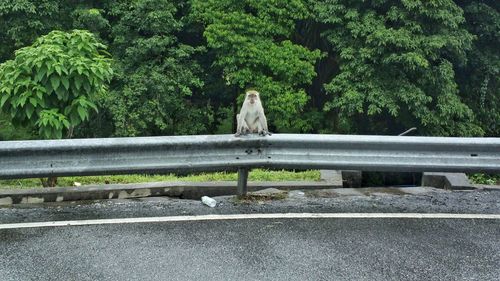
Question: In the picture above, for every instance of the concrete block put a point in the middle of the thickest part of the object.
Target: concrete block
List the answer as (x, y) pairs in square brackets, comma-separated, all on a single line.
[(453, 181), (331, 176)]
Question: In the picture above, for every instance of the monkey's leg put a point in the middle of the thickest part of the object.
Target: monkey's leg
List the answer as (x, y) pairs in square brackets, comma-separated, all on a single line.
[(242, 126)]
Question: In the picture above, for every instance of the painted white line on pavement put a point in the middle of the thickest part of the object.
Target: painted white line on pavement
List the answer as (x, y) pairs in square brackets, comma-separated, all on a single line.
[(252, 216)]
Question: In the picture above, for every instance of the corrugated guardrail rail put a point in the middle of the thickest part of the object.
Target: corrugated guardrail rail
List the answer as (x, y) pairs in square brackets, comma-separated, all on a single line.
[(28, 159)]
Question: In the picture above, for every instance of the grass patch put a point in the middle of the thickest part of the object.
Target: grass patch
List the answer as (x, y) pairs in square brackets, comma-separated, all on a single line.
[(485, 179), (255, 175)]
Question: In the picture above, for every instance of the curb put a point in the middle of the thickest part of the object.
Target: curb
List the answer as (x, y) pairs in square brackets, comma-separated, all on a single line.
[(187, 190), (487, 187)]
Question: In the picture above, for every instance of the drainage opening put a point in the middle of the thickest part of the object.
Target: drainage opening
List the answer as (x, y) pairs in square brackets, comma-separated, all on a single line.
[(390, 179)]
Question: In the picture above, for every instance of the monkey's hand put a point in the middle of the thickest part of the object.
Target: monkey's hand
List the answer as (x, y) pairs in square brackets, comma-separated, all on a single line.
[(264, 133), (242, 131)]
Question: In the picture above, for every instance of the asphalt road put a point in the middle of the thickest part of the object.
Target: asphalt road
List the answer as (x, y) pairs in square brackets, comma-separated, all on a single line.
[(258, 249), (300, 249)]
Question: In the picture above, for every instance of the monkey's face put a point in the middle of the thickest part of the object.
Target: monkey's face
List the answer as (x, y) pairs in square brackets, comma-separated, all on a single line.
[(252, 97)]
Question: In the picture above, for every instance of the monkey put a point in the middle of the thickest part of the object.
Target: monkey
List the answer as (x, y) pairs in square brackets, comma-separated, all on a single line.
[(252, 118)]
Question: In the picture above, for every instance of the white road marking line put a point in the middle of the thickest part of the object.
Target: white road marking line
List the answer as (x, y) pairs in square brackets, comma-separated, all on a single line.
[(251, 216)]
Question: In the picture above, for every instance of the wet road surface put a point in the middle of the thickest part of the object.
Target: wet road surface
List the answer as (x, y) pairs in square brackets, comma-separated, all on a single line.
[(258, 249)]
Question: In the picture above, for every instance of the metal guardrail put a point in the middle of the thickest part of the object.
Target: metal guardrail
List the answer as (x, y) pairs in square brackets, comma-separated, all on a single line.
[(29, 159)]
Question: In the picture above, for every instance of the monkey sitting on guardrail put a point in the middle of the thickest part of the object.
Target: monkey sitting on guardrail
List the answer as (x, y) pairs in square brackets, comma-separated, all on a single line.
[(252, 118)]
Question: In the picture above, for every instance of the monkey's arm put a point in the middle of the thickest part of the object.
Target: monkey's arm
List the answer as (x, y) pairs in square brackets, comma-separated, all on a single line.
[(242, 125)]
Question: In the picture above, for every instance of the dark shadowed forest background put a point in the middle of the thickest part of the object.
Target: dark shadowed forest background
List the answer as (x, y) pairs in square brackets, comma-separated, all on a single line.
[(174, 67)]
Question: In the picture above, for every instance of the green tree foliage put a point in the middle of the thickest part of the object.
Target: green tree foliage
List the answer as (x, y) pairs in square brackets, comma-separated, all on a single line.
[(22, 21), (158, 85), (183, 65), (10, 132), (52, 84), (253, 47), (396, 62), (90, 18), (479, 79)]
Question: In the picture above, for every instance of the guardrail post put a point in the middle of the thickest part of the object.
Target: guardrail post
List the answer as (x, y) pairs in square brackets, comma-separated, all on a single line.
[(242, 188)]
